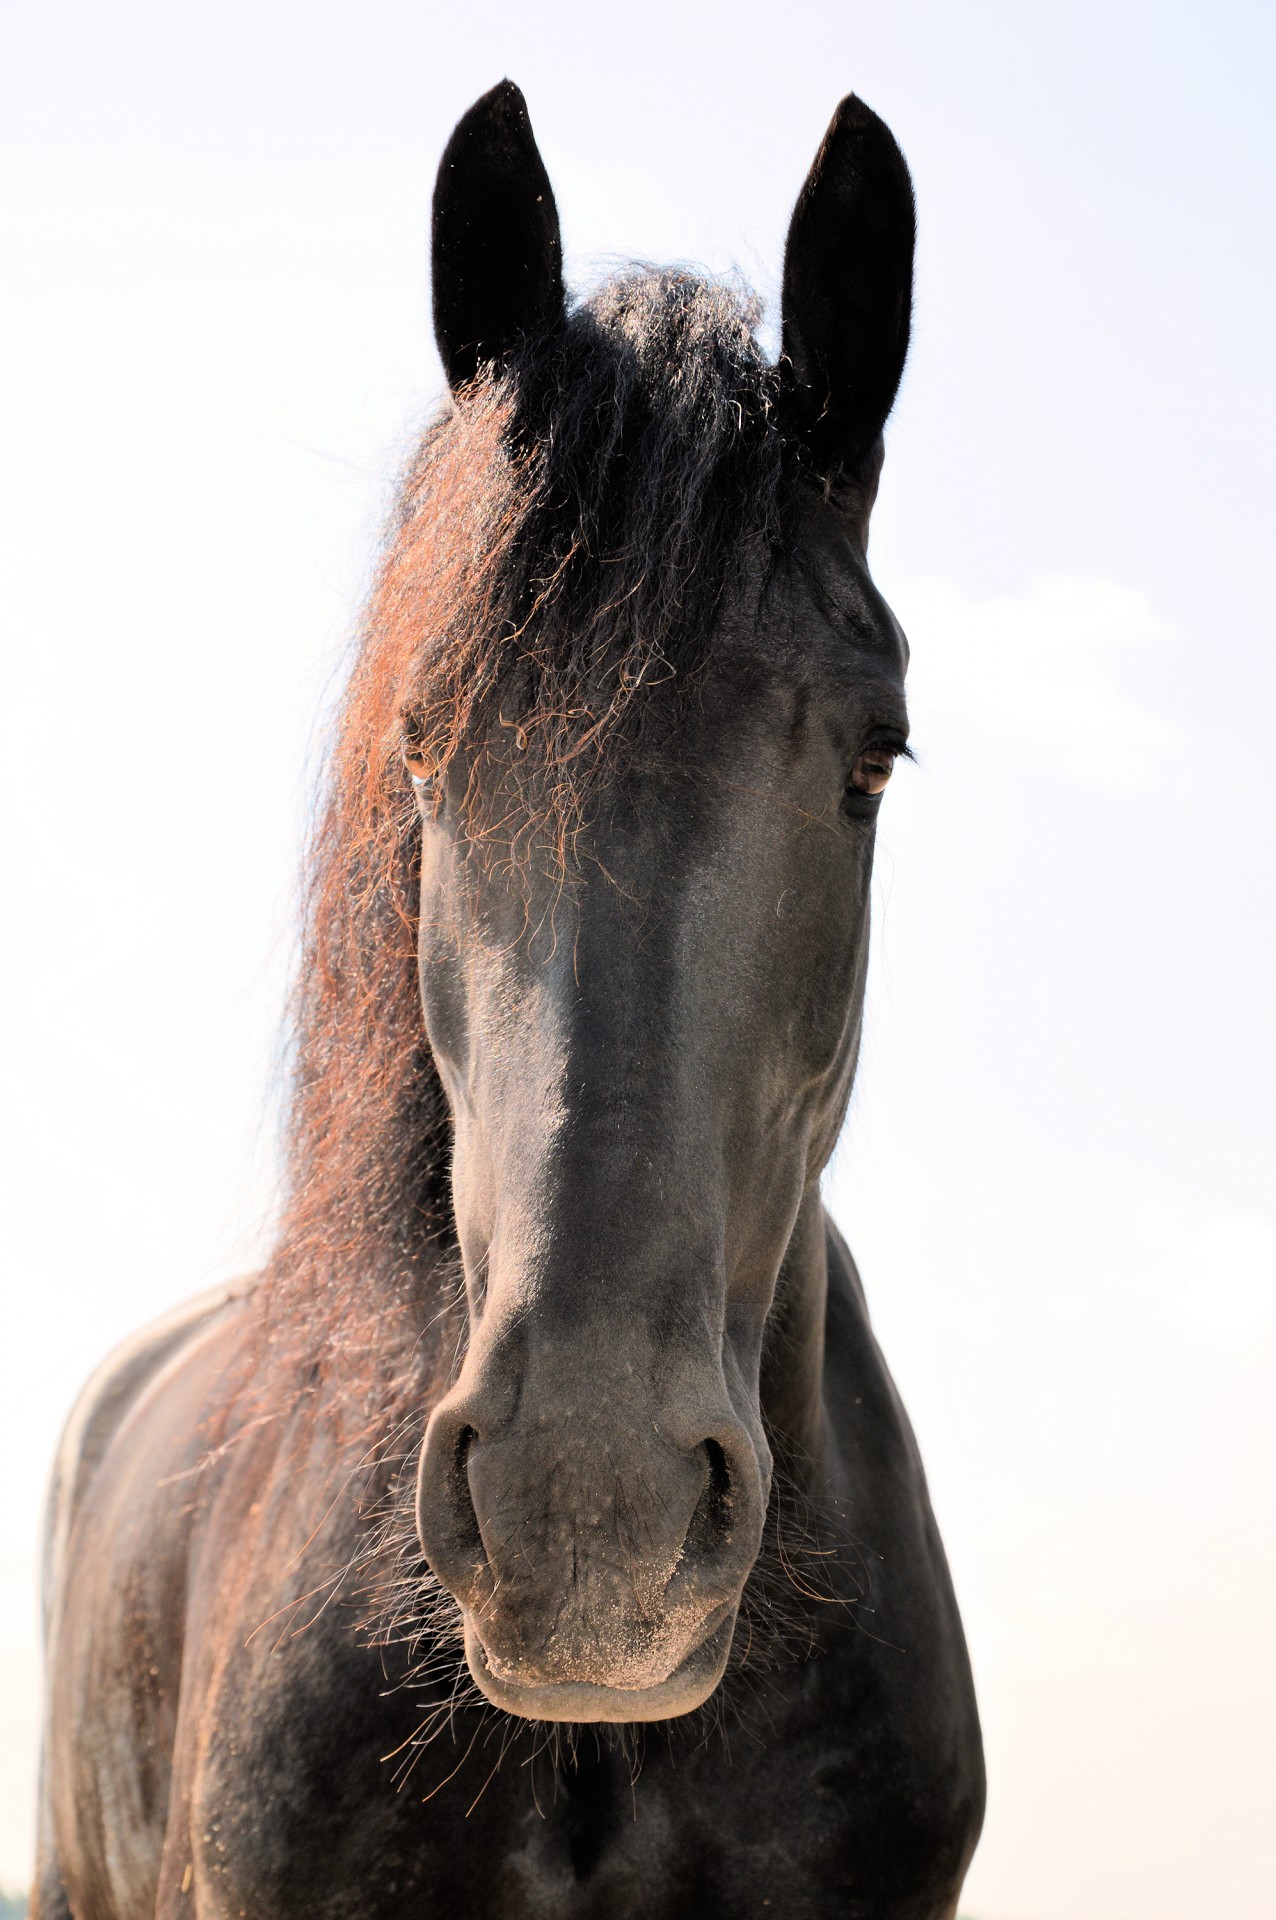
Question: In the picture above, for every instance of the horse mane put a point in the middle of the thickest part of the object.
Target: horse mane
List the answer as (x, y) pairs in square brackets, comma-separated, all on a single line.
[(562, 543)]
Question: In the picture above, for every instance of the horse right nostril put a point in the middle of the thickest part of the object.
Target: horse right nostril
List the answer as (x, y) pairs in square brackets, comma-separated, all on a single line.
[(447, 1523)]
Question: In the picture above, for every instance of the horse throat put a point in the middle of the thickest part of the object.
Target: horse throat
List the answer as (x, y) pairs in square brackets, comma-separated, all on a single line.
[(792, 1372)]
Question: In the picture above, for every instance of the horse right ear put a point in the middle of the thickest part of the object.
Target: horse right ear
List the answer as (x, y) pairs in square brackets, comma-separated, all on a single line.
[(848, 291), (497, 251)]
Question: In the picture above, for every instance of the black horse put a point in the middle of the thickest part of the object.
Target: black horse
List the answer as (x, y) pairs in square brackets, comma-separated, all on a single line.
[(541, 1534)]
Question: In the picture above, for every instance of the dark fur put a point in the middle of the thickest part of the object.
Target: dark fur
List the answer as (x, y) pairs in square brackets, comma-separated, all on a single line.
[(625, 623)]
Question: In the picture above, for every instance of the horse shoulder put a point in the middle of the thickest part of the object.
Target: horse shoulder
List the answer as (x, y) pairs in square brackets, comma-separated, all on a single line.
[(103, 1405), (111, 1685)]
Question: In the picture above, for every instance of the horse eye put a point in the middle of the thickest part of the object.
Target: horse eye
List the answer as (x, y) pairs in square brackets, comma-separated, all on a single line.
[(872, 769), (419, 767)]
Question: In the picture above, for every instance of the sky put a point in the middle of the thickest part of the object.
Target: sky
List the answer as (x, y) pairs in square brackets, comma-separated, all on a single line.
[(1057, 1173)]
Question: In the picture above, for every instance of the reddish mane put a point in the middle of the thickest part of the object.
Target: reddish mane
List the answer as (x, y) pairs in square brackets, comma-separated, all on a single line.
[(562, 541)]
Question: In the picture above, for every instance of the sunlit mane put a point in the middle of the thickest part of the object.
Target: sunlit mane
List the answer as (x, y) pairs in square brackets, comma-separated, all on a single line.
[(562, 543)]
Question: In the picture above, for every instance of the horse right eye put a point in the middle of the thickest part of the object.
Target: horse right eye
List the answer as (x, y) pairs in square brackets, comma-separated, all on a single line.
[(420, 768)]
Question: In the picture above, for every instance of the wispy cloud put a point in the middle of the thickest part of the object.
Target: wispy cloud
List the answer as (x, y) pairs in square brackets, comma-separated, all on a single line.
[(1055, 669)]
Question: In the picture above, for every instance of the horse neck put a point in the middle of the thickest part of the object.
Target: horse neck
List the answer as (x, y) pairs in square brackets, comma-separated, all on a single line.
[(793, 1351)]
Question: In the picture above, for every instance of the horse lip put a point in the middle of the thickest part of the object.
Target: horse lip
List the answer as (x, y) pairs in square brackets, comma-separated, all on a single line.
[(690, 1684)]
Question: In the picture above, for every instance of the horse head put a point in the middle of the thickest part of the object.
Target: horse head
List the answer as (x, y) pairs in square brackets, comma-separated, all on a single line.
[(647, 800)]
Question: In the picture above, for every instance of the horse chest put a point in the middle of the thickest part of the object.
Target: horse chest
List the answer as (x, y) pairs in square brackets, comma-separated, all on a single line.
[(782, 1817), (718, 1844)]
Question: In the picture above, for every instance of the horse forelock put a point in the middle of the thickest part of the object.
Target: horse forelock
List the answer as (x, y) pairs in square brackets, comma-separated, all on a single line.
[(566, 537)]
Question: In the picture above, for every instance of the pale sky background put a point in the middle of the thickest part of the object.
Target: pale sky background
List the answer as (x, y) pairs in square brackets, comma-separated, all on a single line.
[(1059, 1169)]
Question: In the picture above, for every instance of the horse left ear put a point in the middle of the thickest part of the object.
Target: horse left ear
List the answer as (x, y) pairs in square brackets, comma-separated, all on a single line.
[(848, 293), (497, 250)]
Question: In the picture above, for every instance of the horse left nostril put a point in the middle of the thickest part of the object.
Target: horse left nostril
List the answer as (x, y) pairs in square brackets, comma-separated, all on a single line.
[(719, 1488), (712, 1521)]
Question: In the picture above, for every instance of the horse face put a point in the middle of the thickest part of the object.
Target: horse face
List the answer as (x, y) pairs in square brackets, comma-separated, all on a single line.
[(647, 1060), (647, 1068)]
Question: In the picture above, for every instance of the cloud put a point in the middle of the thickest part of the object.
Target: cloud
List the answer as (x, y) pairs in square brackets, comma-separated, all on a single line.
[(1049, 670), (1232, 1288)]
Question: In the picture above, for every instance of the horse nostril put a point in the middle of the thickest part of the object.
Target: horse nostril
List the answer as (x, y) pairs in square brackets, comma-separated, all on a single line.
[(711, 1522), (719, 1488), (447, 1522)]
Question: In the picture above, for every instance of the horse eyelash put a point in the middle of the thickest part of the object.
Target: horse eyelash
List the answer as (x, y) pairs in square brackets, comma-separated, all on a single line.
[(893, 743)]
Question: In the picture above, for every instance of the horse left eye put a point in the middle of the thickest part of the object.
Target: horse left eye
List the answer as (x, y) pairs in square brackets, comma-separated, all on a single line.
[(872, 770)]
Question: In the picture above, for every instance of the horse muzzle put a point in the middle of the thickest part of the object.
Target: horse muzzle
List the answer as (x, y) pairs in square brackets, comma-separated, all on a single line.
[(599, 1573)]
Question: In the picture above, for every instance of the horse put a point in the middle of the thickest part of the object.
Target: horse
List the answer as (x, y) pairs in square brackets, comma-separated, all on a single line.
[(541, 1534)]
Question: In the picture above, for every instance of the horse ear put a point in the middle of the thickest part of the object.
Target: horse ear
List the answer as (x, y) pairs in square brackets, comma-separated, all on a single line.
[(848, 290), (497, 251)]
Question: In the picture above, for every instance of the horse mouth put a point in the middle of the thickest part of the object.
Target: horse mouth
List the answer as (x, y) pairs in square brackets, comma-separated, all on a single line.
[(691, 1683)]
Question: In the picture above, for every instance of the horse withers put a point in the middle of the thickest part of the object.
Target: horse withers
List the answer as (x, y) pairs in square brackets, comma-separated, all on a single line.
[(541, 1534)]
